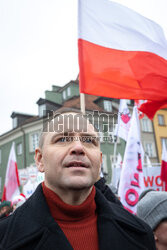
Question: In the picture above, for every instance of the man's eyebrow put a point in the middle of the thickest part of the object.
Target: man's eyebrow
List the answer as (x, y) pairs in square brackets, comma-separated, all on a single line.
[(62, 134), (74, 134), (89, 134)]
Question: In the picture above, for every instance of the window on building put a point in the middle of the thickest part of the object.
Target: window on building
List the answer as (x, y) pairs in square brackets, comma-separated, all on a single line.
[(0, 156), (161, 120), (150, 149), (19, 149), (146, 125), (68, 91), (15, 122), (34, 141), (64, 94), (107, 105), (164, 140), (113, 159), (113, 138), (101, 135), (41, 110)]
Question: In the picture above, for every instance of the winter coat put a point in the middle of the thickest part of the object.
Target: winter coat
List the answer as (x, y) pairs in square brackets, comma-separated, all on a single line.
[(31, 226)]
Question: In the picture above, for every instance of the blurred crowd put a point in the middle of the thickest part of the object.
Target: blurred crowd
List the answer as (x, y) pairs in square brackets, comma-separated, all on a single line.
[(8, 207)]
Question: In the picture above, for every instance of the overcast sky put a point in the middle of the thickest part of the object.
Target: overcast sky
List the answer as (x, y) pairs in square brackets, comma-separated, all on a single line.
[(38, 48)]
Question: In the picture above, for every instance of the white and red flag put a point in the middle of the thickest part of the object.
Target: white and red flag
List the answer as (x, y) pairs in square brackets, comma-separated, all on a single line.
[(122, 54), (131, 180), (164, 166), (122, 129), (11, 186)]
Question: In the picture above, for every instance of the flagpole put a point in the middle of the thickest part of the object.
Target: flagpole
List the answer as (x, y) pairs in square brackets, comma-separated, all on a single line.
[(82, 102), (115, 143), (115, 146), (115, 150), (132, 164)]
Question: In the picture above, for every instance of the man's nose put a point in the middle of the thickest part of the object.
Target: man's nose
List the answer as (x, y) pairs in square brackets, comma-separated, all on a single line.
[(77, 147)]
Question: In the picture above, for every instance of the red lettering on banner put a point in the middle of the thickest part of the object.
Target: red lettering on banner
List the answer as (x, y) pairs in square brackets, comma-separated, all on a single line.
[(159, 184), (139, 167), (135, 183), (148, 181), (127, 197)]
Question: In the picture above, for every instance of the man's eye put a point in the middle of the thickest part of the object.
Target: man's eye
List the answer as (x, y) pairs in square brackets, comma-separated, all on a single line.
[(61, 139), (65, 139), (89, 140)]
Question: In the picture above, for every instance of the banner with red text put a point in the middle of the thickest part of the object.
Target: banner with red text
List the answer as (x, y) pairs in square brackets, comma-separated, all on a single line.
[(131, 180), (151, 177)]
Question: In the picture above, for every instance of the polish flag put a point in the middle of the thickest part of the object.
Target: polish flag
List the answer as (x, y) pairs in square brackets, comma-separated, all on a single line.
[(122, 129), (164, 166), (11, 186), (131, 179), (122, 54)]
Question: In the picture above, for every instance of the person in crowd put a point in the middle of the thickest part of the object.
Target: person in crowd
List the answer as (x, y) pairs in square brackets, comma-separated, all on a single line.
[(5, 209), (18, 200), (67, 211), (152, 208)]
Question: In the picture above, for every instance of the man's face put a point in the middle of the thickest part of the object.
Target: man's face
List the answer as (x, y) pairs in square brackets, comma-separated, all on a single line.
[(160, 235), (4, 209), (71, 162)]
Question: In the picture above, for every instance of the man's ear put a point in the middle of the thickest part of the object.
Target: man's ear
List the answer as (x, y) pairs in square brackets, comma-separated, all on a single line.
[(155, 237), (39, 160), (101, 159)]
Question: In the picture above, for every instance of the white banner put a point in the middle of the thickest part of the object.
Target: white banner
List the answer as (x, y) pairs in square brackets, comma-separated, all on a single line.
[(131, 180), (151, 177)]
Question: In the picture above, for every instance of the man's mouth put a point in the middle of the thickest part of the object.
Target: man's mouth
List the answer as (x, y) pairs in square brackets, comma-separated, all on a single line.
[(77, 164)]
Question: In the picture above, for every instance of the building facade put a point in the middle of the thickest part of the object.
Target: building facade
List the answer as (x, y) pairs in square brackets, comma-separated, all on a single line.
[(160, 127), (26, 128)]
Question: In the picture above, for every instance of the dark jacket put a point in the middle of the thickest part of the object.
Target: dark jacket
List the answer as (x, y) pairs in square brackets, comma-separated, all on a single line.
[(32, 227), (2, 216)]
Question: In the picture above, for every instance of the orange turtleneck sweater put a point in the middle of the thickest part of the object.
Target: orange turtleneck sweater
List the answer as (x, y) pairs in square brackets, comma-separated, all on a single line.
[(79, 223)]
